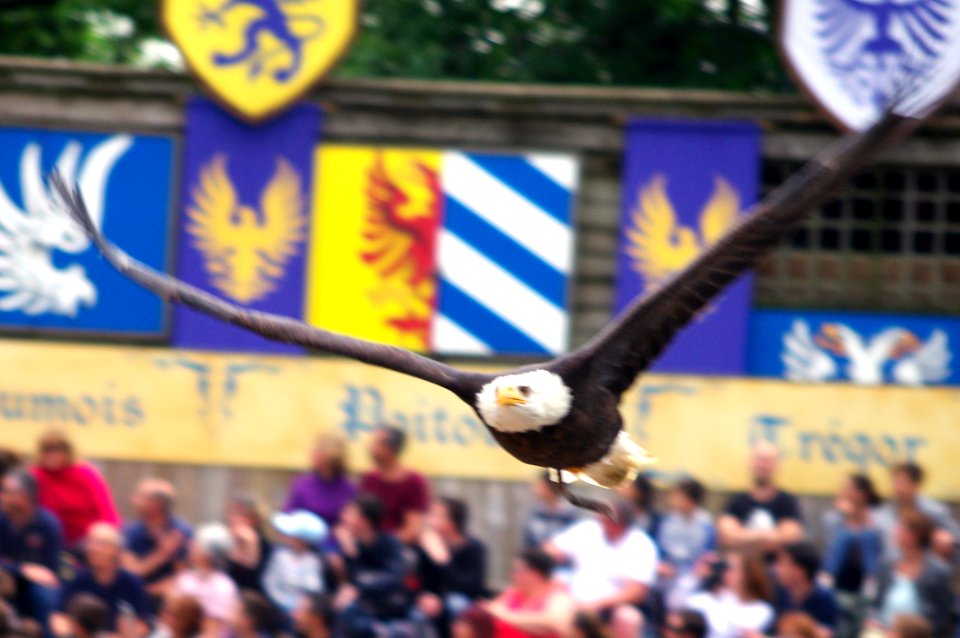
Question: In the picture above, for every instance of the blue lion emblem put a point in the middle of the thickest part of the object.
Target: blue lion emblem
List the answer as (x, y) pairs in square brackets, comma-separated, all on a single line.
[(273, 20), (873, 46)]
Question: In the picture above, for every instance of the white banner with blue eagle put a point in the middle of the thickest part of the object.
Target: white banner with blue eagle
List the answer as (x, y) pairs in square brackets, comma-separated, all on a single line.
[(857, 57), (505, 253)]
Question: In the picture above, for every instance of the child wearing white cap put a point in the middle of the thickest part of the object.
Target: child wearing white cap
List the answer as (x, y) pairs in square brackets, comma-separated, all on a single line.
[(295, 568)]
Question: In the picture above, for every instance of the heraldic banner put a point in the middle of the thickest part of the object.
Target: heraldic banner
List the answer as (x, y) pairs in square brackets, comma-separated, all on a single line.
[(443, 251), (815, 346), (684, 184), (51, 277), (245, 220)]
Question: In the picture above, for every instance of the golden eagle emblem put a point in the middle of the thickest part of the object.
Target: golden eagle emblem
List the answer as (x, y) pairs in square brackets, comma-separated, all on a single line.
[(246, 250), (658, 245)]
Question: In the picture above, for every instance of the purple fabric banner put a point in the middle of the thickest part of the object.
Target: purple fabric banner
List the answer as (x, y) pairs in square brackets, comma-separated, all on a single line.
[(245, 219), (684, 183)]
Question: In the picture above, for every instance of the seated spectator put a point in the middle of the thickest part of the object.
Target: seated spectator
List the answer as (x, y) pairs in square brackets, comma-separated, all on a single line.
[(796, 624), (906, 482), (797, 590), (453, 564), (12, 626), (918, 582), (766, 517), (685, 623), (254, 617), (685, 536), (475, 622), (87, 617), (641, 495), (326, 489), (373, 570), (104, 579), (205, 580), (9, 461), (315, 617), (295, 569), (30, 545), (854, 550), (737, 606), (550, 513), (533, 606), (156, 542), (911, 626), (250, 549), (181, 617), (74, 491), (404, 493), (614, 564)]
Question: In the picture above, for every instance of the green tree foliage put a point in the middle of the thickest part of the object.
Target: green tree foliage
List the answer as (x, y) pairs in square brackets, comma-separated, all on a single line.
[(96, 30), (691, 43)]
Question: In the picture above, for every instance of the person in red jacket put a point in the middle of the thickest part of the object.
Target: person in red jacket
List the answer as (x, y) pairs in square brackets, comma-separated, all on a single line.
[(73, 490)]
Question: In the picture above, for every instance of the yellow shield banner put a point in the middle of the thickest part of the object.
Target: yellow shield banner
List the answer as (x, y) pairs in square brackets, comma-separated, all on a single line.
[(258, 56)]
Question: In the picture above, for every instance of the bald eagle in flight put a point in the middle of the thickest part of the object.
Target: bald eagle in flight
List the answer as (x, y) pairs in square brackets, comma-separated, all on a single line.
[(563, 414)]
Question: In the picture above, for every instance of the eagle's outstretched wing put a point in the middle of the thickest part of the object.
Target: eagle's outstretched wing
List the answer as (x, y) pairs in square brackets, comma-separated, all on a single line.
[(720, 212), (210, 216), (463, 384), (281, 206), (653, 241), (640, 333)]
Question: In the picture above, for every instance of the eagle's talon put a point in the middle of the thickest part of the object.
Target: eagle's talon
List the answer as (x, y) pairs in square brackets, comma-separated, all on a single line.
[(601, 507)]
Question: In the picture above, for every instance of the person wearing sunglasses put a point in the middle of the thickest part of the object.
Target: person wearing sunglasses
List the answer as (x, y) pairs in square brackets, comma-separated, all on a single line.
[(685, 623)]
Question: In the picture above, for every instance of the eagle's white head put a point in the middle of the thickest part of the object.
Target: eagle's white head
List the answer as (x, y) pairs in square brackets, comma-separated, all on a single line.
[(524, 402)]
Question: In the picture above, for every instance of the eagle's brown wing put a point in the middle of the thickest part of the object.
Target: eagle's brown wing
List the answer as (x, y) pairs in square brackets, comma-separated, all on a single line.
[(620, 352), (463, 384)]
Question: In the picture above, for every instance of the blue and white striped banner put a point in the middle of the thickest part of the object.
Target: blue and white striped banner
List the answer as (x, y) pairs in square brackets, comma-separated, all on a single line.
[(506, 253)]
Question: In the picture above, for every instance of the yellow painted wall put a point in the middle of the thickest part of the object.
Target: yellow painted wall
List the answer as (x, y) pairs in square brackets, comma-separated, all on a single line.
[(155, 404)]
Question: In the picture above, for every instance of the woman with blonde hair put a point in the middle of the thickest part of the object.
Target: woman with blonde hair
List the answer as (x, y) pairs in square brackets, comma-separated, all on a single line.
[(326, 489), (73, 490)]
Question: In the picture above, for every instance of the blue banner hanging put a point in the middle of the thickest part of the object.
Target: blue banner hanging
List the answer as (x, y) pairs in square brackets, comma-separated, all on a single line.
[(861, 348), (245, 219), (685, 182)]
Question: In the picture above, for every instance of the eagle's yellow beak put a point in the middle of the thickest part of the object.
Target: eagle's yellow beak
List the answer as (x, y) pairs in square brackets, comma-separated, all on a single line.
[(509, 396)]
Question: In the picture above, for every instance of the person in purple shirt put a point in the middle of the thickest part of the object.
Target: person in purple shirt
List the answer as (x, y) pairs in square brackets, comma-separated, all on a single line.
[(325, 490)]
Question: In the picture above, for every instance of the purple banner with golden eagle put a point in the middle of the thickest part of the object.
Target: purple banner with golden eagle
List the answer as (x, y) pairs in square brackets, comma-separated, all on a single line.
[(685, 182), (245, 220)]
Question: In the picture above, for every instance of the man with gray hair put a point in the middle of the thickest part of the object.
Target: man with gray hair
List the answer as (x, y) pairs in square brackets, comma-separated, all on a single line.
[(30, 545), (157, 541), (123, 593)]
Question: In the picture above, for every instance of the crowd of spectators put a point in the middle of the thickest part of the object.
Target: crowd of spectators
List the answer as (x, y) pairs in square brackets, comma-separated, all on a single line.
[(382, 557)]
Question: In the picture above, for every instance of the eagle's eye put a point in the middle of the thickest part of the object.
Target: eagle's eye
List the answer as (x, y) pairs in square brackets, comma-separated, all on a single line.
[(524, 390)]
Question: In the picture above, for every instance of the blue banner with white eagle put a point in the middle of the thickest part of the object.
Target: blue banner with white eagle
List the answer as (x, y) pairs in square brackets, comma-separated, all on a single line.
[(51, 277), (861, 348), (245, 219), (685, 183), (505, 253)]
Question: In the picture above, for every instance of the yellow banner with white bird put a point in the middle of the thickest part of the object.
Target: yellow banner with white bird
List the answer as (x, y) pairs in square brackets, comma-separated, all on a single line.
[(189, 407)]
